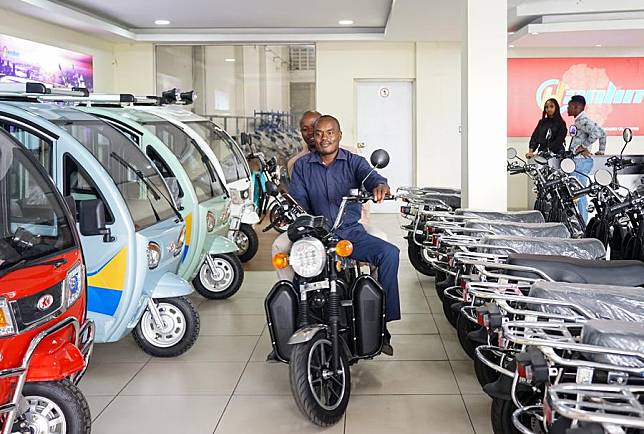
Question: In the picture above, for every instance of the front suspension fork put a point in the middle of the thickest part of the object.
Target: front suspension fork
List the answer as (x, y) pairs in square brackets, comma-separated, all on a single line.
[(334, 318)]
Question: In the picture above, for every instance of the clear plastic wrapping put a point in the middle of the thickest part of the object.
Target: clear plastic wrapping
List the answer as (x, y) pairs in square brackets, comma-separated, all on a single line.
[(619, 335), (509, 216), (584, 248), (552, 230), (607, 302)]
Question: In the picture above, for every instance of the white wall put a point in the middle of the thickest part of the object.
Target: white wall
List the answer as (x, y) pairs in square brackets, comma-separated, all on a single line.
[(178, 59), (435, 69)]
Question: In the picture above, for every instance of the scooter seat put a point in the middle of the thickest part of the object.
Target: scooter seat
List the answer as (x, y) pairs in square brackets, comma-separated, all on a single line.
[(618, 335), (565, 269), (553, 230), (451, 200), (584, 248), (609, 302), (510, 216)]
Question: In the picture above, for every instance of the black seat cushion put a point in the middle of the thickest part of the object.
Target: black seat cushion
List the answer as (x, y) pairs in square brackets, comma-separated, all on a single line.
[(565, 269)]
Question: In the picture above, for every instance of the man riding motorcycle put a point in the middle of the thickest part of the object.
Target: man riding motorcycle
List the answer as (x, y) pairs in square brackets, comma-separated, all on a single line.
[(320, 180)]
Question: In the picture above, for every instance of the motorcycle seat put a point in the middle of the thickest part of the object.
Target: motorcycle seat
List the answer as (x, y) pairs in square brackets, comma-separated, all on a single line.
[(624, 303), (510, 216), (553, 230), (452, 200), (618, 335), (565, 269), (584, 248)]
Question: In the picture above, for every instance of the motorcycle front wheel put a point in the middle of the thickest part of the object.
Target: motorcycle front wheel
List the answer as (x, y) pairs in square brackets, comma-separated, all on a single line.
[(54, 407), (321, 395), (415, 253)]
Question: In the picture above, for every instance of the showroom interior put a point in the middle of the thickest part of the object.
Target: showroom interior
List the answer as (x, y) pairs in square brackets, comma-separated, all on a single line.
[(354, 217)]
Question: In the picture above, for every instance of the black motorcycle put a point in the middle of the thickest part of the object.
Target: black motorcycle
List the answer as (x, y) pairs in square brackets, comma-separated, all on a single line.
[(331, 317)]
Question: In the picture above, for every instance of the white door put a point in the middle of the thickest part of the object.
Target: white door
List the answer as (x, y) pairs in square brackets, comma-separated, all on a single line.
[(385, 121)]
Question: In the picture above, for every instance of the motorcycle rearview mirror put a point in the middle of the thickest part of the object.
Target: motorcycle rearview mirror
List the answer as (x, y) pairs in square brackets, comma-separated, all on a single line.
[(380, 159), (271, 189), (627, 135), (603, 177), (512, 153), (568, 166)]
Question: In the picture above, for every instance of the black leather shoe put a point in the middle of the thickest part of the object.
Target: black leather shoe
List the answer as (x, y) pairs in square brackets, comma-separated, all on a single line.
[(386, 345)]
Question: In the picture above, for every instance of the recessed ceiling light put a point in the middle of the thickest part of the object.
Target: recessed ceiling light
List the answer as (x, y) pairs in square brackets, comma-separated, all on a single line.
[(534, 33), (598, 45), (229, 59), (345, 22), (511, 46), (510, 33), (162, 22)]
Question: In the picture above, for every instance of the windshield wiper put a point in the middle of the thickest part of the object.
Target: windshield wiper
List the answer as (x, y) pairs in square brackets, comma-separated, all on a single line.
[(151, 187)]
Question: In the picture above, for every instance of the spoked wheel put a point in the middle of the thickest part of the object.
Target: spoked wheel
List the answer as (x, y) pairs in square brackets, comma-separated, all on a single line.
[(219, 278), (415, 253), (53, 407), (247, 242), (319, 393), (463, 327), (280, 224), (176, 335)]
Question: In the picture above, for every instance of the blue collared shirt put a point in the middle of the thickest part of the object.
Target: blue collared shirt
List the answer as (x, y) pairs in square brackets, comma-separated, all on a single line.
[(319, 189)]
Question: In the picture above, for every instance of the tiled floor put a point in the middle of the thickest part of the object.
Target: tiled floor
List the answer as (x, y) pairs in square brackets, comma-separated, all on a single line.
[(223, 385)]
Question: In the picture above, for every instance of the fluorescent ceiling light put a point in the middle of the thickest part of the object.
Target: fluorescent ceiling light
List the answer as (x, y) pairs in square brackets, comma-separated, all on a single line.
[(229, 59), (345, 22), (162, 22), (598, 45)]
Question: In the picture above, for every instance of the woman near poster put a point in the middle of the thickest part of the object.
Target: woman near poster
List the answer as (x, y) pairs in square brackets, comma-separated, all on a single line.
[(553, 122)]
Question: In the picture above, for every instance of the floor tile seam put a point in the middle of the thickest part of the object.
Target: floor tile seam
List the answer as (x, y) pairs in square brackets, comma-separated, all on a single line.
[(469, 416), (122, 389), (232, 394)]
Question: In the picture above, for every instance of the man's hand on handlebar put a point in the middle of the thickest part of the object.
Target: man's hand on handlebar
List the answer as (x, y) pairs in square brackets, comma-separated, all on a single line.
[(530, 154), (380, 193)]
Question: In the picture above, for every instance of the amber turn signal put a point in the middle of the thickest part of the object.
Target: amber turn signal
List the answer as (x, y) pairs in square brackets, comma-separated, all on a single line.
[(280, 260), (344, 248)]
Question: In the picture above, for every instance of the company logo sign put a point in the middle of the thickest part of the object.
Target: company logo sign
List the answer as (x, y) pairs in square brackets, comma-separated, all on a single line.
[(45, 302), (613, 88)]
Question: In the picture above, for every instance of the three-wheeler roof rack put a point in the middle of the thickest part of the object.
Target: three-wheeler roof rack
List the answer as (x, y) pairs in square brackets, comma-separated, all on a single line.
[(31, 90)]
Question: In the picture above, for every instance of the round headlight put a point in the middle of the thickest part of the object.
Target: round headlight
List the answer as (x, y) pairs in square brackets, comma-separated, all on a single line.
[(154, 255), (308, 257), (210, 221)]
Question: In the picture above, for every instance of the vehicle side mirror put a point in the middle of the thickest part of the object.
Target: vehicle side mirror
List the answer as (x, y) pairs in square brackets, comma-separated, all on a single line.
[(512, 153), (271, 189), (568, 166), (71, 204), (603, 177), (627, 135), (92, 219), (380, 159)]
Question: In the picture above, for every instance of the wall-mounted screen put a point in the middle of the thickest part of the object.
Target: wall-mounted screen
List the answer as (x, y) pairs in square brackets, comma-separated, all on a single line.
[(613, 88), (22, 60)]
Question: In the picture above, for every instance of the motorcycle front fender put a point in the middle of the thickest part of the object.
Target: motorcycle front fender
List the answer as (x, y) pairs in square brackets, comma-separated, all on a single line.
[(170, 286), (250, 217), (222, 245), (305, 334), (54, 360)]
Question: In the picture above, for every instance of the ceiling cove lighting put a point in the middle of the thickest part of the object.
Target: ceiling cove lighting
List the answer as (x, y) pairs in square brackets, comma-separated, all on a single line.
[(345, 22), (162, 22)]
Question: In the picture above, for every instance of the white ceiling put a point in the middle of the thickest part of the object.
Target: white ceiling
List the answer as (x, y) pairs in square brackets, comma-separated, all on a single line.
[(138, 14), (531, 23)]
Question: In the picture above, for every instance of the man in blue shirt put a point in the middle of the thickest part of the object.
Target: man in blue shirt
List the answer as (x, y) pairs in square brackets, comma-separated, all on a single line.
[(320, 180)]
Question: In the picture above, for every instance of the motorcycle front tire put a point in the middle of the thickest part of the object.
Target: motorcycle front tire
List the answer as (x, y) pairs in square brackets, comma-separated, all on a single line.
[(301, 383), (415, 253)]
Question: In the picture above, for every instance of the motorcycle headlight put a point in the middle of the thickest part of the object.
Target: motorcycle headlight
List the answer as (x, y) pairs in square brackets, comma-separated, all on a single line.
[(236, 197), (308, 257), (210, 222), (75, 283), (7, 325), (154, 255)]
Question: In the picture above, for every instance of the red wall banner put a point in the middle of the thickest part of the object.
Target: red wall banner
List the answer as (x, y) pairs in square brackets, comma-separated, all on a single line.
[(613, 88)]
